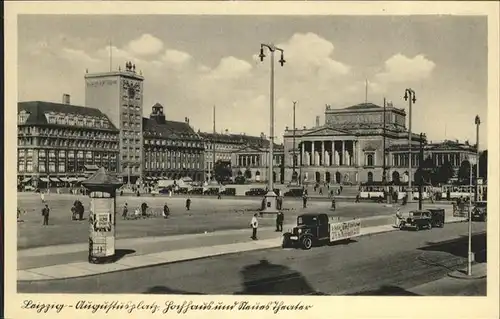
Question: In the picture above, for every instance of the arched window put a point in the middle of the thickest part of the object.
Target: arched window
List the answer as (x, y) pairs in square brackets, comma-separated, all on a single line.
[(370, 160)]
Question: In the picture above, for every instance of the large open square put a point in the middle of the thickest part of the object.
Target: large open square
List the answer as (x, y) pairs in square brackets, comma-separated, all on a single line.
[(206, 215)]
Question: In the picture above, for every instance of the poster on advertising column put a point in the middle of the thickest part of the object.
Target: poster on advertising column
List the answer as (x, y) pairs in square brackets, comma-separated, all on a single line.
[(102, 230)]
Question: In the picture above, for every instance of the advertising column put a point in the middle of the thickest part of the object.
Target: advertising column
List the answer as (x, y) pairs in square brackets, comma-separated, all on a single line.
[(102, 227)]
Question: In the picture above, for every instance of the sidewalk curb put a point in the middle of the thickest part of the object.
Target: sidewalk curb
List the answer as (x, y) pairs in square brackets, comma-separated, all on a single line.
[(389, 229)]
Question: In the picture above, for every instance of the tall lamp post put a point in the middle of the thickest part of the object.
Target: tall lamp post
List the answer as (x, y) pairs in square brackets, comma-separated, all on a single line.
[(270, 197), (477, 121), (294, 173), (410, 97)]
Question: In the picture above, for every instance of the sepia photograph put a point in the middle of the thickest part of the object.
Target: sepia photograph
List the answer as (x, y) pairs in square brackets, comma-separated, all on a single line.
[(288, 155)]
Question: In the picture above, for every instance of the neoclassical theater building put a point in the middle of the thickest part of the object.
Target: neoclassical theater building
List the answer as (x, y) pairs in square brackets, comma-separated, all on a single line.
[(349, 146)]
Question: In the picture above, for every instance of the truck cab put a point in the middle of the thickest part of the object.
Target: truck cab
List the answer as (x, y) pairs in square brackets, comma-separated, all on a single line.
[(311, 229)]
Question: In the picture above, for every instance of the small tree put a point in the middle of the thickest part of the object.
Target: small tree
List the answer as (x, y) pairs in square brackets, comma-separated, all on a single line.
[(464, 172), (445, 172), (428, 170), (248, 174), (223, 171)]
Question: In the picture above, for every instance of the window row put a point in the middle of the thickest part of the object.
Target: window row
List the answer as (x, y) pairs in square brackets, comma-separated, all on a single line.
[(66, 143), (77, 120), (171, 165), (172, 143), (63, 167)]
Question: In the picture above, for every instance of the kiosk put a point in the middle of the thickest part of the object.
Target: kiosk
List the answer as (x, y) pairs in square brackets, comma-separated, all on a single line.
[(102, 218)]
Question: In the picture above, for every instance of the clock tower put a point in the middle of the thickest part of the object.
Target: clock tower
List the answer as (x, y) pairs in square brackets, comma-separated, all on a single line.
[(119, 95)]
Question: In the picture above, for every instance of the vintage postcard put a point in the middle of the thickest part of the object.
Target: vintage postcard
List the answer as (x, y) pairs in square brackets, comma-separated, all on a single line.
[(242, 159)]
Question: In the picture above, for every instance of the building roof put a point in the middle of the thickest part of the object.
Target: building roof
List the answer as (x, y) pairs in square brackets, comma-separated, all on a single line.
[(171, 129), (362, 106), (240, 139), (37, 110)]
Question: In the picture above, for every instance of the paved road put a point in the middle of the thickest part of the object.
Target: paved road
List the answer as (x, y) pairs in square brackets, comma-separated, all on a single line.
[(386, 263)]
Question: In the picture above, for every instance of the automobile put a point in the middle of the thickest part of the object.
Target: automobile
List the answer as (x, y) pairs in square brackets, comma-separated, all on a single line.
[(28, 188), (155, 192), (417, 219), (256, 192), (479, 212), (315, 229), (437, 217), (294, 192)]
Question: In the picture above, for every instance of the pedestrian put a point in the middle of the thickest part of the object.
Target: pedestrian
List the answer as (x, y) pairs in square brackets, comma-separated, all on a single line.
[(321, 190), (188, 203), (42, 197), (340, 189), (334, 204), (304, 200), (357, 198), (125, 211), (279, 221), (144, 208), (255, 224), (398, 218), (45, 214), (166, 211), (219, 194)]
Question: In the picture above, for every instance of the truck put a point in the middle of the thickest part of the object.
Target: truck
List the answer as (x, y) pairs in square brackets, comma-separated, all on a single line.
[(315, 229)]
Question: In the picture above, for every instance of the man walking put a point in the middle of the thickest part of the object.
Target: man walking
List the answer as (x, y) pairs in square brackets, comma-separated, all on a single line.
[(166, 211), (45, 214), (188, 203), (255, 224)]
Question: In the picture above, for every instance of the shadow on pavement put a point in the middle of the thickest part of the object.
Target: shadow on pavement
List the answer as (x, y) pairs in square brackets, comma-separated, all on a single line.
[(342, 242), (120, 253), (459, 247), (167, 291), (385, 291), (265, 278)]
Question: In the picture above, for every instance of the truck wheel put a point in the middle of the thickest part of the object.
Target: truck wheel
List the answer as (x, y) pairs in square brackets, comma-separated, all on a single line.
[(306, 243), (286, 241)]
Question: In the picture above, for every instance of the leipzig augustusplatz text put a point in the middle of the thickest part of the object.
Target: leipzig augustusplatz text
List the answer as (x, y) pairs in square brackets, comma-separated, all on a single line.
[(168, 307)]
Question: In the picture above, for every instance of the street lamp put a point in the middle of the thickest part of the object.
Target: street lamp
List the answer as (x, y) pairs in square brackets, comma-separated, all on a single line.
[(477, 121), (270, 197), (410, 97)]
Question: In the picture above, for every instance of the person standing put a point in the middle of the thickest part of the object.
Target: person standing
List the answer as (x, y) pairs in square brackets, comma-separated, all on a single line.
[(279, 221), (255, 224), (304, 200), (398, 218), (125, 211), (188, 203), (45, 214), (42, 197)]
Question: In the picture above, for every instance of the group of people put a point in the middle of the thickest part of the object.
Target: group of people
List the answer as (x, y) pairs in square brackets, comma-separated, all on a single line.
[(254, 224), (77, 210)]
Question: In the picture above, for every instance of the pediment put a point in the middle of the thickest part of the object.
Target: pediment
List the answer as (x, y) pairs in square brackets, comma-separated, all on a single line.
[(327, 131)]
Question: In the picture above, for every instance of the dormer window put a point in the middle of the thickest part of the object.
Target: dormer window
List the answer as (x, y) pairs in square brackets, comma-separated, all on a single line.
[(22, 117)]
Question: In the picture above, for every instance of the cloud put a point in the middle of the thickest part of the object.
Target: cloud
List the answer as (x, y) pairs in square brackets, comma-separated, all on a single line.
[(400, 68), (146, 44), (230, 68), (77, 55), (176, 57)]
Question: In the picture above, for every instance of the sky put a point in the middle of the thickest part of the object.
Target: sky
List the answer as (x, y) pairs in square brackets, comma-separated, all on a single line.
[(191, 63)]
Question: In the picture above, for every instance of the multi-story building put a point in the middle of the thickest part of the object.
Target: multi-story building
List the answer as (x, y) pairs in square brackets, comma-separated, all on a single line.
[(119, 95), (172, 149), (349, 147), (223, 145), (252, 161), (57, 141)]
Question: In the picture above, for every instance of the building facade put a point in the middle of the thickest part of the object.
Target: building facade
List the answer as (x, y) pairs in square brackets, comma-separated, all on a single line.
[(57, 141), (252, 161), (119, 95), (172, 149), (349, 147), (221, 146)]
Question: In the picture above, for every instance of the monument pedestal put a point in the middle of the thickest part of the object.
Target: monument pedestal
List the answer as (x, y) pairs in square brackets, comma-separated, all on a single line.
[(269, 203)]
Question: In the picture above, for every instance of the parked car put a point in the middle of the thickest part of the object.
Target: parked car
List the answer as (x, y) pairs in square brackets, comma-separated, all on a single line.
[(29, 188), (256, 192), (437, 217), (229, 192), (294, 192), (314, 229), (479, 212), (418, 219)]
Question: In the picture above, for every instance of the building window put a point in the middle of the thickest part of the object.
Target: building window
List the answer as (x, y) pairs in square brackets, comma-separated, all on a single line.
[(29, 166), (62, 167), (370, 159), (22, 117)]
